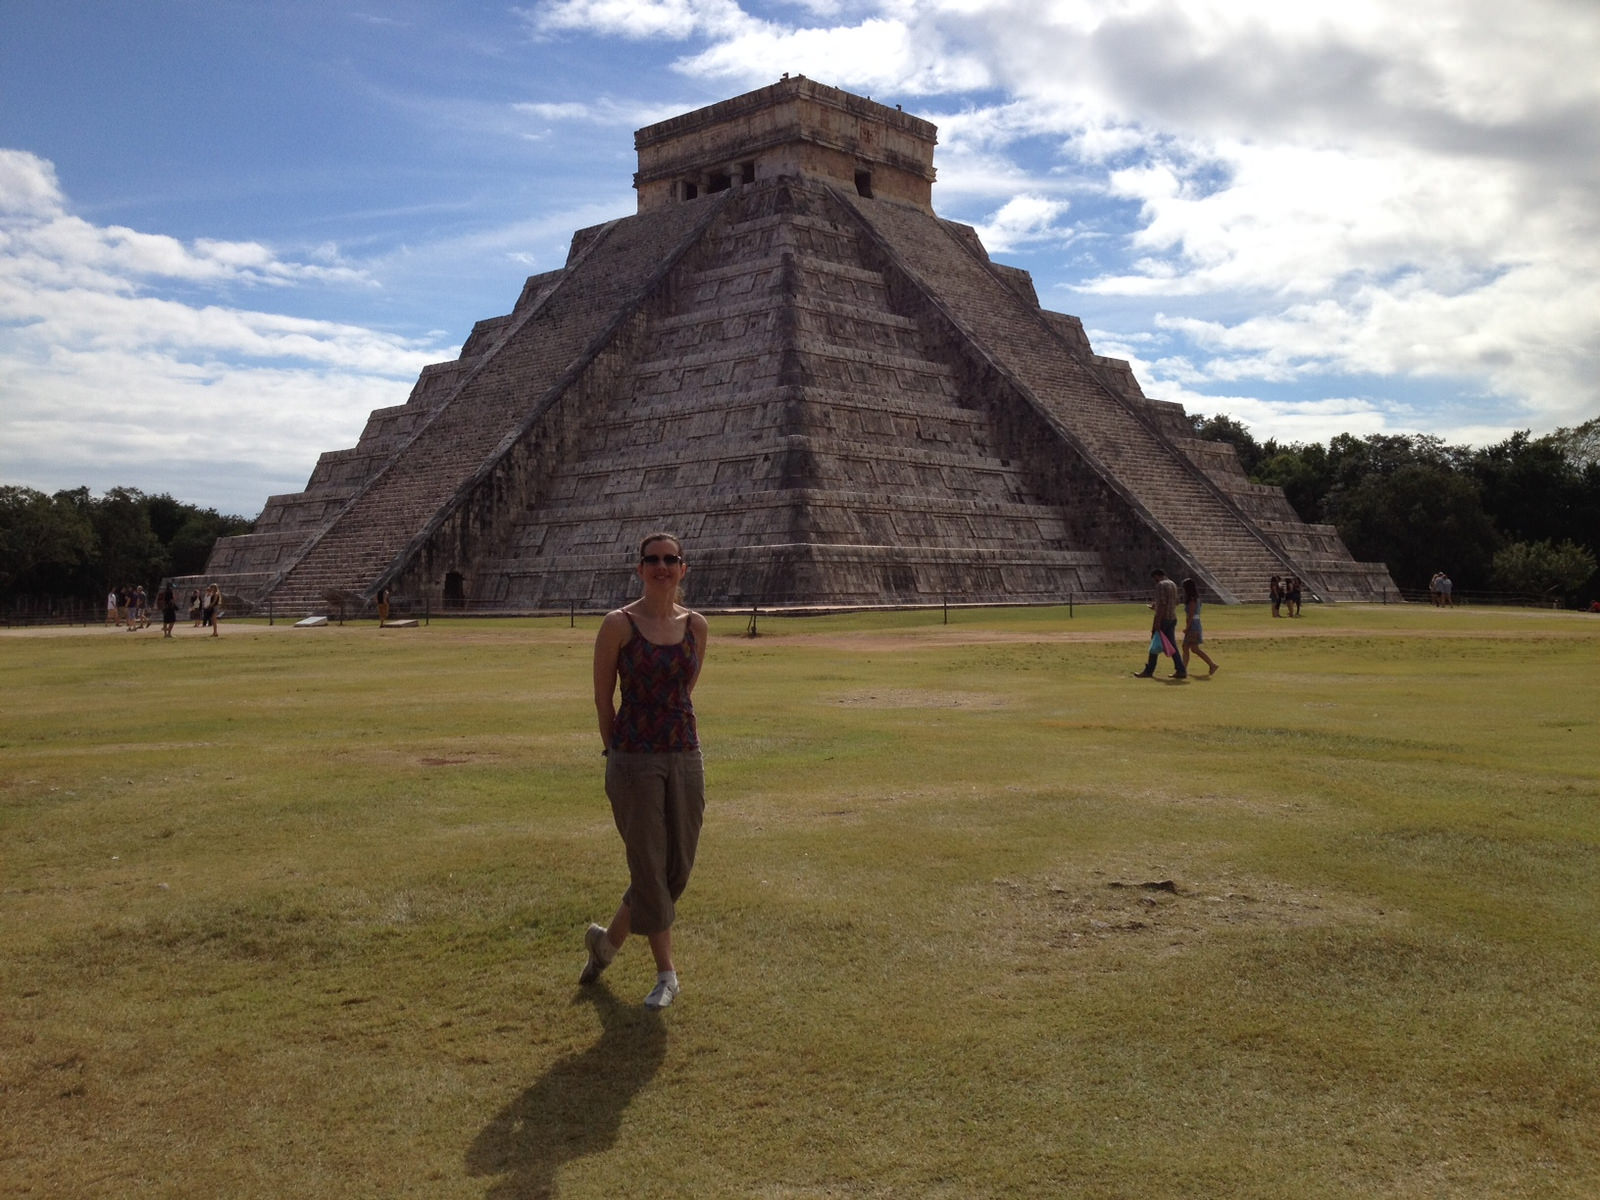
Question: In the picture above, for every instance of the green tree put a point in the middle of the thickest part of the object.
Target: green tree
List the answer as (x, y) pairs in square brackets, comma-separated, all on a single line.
[(1305, 474), (190, 545), (43, 541), (1581, 445), (1544, 568), (130, 552), (1418, 518), (1535, 492), (1222, 428)]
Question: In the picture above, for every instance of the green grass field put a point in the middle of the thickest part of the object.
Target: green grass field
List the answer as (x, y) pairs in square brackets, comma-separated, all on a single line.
[(296, 913)]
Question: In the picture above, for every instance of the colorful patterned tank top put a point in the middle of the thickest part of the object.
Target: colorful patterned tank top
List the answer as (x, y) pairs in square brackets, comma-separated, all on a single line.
[(656, 716)]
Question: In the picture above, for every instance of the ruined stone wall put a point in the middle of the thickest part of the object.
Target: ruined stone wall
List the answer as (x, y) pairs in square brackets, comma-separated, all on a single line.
[(794, 128)]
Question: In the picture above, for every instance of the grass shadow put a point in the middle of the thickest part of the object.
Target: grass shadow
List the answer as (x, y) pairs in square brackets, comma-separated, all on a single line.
[(575, 1109)]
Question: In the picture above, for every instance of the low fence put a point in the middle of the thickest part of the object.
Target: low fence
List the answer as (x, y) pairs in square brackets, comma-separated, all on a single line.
[(1464, 598), (57, 613), (427, 611), (90, 613)]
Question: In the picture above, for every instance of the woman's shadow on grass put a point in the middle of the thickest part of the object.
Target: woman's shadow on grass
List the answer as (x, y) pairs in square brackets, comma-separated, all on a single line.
[(575, 1109)]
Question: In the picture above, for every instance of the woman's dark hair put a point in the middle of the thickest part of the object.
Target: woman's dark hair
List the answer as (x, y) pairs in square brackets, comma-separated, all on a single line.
[(1191, 590), (660, 536)]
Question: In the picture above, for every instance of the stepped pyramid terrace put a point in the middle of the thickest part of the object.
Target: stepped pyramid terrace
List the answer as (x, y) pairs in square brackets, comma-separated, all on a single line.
[(833, 395)]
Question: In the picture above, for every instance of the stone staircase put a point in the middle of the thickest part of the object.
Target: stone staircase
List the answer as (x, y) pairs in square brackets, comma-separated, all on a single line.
[(364, 543), (1208, 536), (781, 417)]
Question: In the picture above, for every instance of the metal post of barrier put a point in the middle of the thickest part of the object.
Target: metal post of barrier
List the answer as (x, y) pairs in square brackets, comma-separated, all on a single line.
[(572, 614), (946, 610)]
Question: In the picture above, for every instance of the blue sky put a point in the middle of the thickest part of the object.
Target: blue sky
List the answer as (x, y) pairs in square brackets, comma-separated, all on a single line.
[(229, 230)]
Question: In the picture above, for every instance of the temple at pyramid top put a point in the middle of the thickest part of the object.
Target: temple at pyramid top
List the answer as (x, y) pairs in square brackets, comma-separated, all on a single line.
[(832, 394), (796, 127)]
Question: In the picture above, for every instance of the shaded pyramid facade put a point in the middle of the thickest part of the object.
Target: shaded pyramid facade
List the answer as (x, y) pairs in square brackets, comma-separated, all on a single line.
[(832, 395)]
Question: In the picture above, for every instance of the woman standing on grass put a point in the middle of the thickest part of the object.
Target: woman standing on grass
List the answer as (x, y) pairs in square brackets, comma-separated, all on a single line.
[(1192, 635), (654, 648)]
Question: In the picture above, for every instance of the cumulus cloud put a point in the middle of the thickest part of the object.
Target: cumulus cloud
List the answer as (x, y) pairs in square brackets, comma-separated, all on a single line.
[(28, 186), (1024, 219), (675, 19), (104, 366)]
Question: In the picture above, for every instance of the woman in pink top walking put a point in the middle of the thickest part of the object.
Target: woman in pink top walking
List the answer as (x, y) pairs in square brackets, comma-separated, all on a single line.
[(653, 648)]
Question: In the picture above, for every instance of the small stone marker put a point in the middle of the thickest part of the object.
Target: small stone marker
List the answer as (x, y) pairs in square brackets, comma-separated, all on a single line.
[(311, 623), (409, 623)]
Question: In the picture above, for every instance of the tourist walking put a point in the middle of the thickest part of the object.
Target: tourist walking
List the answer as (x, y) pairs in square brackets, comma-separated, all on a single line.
[(168, 600), (111, 607), (383, 605), (212, 610), (1275, 590), (1164, 628), (1192, 635), (654, 648)]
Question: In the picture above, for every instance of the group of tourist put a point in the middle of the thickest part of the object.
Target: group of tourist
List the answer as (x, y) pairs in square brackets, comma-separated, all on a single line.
[(128, 607), (1440, 590), (1284, 591)]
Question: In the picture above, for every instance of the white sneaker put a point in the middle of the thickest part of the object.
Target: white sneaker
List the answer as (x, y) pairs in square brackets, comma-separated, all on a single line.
[(664, 992), (601, 952)]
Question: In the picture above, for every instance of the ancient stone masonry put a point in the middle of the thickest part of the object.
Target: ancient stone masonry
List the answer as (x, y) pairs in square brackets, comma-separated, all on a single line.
[(831, 394)]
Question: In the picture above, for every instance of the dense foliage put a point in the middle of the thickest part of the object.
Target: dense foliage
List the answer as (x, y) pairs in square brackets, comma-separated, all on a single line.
[(69, 549), (1522, 516)]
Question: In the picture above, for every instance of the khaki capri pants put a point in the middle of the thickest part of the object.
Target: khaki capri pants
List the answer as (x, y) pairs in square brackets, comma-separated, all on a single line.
[(658, 802)]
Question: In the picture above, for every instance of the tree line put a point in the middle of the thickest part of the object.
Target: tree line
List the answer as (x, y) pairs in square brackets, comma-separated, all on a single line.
[(64, 552), (1519, 517)]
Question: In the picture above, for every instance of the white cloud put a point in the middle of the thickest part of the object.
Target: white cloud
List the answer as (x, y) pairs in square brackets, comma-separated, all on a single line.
[(1024, 219), (875, 55), (28, 186), (104, 367), (674, 19), (604, 111)]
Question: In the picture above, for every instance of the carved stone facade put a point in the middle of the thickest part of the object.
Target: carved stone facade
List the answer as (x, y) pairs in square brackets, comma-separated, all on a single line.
[(832, 395)]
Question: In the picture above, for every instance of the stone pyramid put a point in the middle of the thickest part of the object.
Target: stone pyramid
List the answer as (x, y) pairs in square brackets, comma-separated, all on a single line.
[(832, 395)]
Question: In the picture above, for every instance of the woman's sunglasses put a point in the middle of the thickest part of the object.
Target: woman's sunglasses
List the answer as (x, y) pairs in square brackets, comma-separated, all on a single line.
[(655, 560)]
